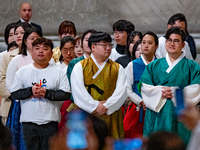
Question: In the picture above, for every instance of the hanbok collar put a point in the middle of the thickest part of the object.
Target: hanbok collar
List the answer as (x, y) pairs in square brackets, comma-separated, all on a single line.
[(100, 67), (25, 21), (170, 64), (84, 56), (145, 60)]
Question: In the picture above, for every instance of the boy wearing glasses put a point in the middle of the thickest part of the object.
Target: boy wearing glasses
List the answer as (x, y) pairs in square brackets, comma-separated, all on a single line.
[(159, 82), (98, 84), (121, 29)]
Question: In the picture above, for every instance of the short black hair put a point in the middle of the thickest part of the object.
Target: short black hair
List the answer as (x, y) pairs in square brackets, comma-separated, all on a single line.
[(66, 39), (163, 140), (152, 34), (11, 44), (7, 31), (123, 25), (175, 30), (176, 17), (98, 37), (42, 40), (85, 33)]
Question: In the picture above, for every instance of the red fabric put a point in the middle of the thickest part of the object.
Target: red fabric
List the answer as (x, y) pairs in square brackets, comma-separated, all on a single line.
[(132, 127), (63, 111)]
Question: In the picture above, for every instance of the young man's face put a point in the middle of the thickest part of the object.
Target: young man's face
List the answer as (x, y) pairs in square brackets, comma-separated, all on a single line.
[(120, 37), (174, 44), (102, 50), (41, 54)]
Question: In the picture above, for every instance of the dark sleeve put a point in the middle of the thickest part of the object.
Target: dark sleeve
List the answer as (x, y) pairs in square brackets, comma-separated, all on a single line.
[(192, 46), (59, 95), (21, 94)]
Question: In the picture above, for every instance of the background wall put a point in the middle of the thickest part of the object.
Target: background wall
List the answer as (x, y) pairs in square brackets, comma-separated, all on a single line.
[(101, 14)]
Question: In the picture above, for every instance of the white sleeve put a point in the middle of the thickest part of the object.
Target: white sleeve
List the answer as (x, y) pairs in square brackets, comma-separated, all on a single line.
[(80, 94), (10, 74), (187, 52), (192, 94), (161, 50), (118, 97), (64, 82), (18, 83), (129, 81)]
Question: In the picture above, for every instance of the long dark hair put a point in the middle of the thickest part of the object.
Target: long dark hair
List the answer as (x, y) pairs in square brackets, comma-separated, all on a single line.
[(130, 39), (133, 57), (28, 31)]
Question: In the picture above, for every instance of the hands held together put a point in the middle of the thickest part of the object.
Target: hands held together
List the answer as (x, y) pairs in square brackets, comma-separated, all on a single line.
[(100, 110), (38, 91), (167, 92)]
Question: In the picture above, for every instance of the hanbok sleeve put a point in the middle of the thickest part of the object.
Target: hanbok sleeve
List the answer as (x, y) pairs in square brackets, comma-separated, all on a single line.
[(80, 94), (129, 81), (118, 97), (10, 74)]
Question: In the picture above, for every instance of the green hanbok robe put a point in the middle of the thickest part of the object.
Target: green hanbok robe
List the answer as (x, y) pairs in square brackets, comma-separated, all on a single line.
[(160, 113)]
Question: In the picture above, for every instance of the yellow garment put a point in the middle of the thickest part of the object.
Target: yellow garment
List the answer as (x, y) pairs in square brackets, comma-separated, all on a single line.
[(105, 81), (56, 54)]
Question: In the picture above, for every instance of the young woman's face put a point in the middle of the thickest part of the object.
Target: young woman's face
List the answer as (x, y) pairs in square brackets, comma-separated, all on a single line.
[(68, 52), (148, 45), (86, 48), (18, 36), (30, 40), (78, 49), (138, 51), (11, 35), (135, 39)]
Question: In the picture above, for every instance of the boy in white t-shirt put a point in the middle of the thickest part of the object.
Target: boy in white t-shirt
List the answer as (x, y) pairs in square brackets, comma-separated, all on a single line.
[(41, 87)]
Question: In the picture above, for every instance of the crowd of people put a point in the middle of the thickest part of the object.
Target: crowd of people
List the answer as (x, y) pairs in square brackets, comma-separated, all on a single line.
[(125, 92)]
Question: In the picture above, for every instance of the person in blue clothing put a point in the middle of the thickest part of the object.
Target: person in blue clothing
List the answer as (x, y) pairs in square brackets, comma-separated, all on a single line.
[(133, 122)]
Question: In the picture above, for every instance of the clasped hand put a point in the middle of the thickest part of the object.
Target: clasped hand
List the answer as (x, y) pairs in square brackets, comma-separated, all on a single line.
[(167, 92), (100, 110), (38, 91)]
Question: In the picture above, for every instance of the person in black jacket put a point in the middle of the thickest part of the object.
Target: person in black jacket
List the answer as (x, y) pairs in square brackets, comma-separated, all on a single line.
[(25, 13)]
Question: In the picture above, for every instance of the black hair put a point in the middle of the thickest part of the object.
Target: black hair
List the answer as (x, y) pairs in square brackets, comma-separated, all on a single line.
[(163, 140), (11, 44), (7, 31), (98, 37), (175, 30), (123, 25), (135, 48), (5, 138), (28, 31), (66, 39), (24, 25), (42, 40), (85, 33), (177, 17), (152, 34), (130, 39)]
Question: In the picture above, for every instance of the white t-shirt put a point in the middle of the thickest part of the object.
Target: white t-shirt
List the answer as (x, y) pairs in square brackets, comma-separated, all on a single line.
[(115, 55), (40, 110)]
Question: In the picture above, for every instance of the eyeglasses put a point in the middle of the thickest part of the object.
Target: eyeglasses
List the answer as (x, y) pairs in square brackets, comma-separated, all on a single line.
[(176, 41), (105, 45), (65, 50), (118, 32)]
